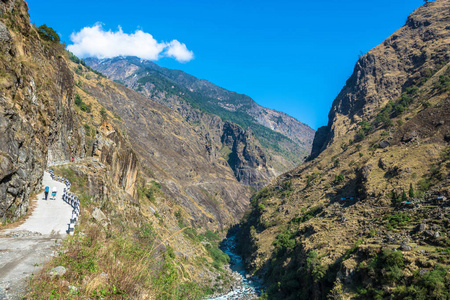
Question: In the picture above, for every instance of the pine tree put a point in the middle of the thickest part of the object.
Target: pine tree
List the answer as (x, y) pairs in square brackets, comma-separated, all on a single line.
[(411, 191), (404, 198)]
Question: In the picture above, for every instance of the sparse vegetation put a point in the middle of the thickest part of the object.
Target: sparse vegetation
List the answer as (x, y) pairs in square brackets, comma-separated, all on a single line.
[(48, 34), (81, 63), (364, 130), (142, 266), (103, 114), (397, 221), (338, 179), (82, 105)]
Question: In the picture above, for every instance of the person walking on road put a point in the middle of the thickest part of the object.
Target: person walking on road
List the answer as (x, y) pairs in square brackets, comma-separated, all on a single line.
[(47, 189), (54, 193)]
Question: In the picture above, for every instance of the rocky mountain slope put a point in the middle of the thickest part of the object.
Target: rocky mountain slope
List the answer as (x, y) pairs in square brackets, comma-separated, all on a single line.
[(384, 73), (39, 125), (37, 120), (171, 152), (153, 188), (285, 140), (368, 217)]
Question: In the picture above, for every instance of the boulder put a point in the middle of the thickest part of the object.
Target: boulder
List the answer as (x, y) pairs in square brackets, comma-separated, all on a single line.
[(405, 247), (57, 271), (429, 232), (422, 227), (409, 136), (384, 144), (382, 164), (98, 215)]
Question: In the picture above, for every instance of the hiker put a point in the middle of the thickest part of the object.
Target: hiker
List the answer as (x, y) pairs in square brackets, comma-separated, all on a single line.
[(54, 192), (47, 189)]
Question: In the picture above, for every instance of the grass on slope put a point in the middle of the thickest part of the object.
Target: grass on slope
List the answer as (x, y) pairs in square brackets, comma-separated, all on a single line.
[(121, 257)]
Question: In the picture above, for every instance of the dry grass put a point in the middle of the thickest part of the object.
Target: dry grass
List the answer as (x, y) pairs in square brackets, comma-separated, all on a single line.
[(113, 263)]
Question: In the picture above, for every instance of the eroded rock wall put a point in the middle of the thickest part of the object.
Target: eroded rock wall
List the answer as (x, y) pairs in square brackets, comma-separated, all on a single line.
[(247, 159), (381, 75), (36, 121)]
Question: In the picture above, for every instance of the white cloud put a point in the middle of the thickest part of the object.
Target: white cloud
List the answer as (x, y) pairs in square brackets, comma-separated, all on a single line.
[(96, 42), (179, 51)]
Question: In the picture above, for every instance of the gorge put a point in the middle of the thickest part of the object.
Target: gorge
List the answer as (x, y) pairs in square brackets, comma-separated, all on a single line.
[(190, 191)]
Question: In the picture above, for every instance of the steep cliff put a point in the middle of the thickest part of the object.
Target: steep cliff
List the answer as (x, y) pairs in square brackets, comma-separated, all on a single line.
[(37, 121), (368, 217), (284, 140), (246, 157), (110, 148), (385, 72)]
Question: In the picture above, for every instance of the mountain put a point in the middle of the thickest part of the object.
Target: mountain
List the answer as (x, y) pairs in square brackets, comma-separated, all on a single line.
[(367, 216), (285, 140), (156, 191), (408, 56)]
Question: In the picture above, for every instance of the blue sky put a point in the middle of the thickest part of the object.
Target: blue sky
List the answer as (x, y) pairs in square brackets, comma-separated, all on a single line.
[(292, 56)]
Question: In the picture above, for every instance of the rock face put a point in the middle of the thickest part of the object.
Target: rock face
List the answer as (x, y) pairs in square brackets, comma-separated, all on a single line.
[(320, 139), (387, 70), (247, 159), (185, 94), (112, 150), (37, 122)]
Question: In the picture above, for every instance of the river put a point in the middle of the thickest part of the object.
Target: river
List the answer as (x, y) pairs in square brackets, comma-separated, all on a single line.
[(247, 287)]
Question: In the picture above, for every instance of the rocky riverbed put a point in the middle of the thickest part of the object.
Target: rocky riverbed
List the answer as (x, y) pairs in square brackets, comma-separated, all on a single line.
[(244, 286)]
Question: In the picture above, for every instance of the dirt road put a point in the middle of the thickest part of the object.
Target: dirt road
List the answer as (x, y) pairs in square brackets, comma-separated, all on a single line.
[(24, 249)]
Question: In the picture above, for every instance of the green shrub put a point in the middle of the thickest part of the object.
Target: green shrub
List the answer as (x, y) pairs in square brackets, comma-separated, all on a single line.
[(411, 191), (384, 116), (365, 126), (352, 249), (404, 198), (48, 34), (219, 257), (444, 82), (424, 184), (307, 215), (210, 236), (391, 258), (395, 199), (261, 207), (284, 241), (103, 113), (338, 179), (397, 220), (78, 100), (83, 106), (433, 284), (336, 163)]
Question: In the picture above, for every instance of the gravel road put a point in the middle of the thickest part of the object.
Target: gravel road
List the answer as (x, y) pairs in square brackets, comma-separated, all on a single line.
[(25, 248)]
